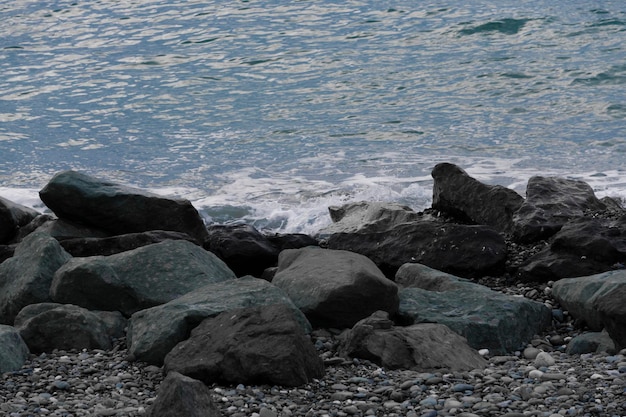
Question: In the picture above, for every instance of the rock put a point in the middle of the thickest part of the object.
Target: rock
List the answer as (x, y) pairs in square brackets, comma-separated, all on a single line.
[(611, 307), (367, 217), (6, 252), (550, 203), (591, 342), (153, 332), (282, 241), (137, 279), (427, 347), (486, 318), (459, 195), (334, 288), (243, 248), (592, 300), (582, 247), (465, 250), (13, 350), (118, 209), (26, 277), (544, 359), (48, 326), (13, 216), (254, 345), (180, 395), (106, 246), (61, 229)]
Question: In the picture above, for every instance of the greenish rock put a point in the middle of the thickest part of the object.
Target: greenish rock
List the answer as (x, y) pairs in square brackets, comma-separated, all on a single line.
[(137, 279), (152, 333), (486, 318), (591, 342), (26, 277), (13, 350)]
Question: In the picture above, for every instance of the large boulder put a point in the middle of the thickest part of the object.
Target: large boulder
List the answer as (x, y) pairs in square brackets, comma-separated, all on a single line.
[(105, 246), (26, 277), (464, 250), (180, 395), (137, 279), (254, 345), (118, 209), (48, 326), (550, 203), (334, 288), (596, 300), (13, 216), (13, 350), (243, 248), (486, 318), (464, 197), (427, 347), (584, 246), (367, 216), (153, 332)]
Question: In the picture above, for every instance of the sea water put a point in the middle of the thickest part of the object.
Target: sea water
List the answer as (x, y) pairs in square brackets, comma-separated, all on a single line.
[(268, 112)]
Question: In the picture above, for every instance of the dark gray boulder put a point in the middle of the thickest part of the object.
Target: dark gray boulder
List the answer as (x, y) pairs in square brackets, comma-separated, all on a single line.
[(26, 277), (461, 196), (106, 246), (118, 209), (598, 301), (179, 395), (243, 248), (282, 241), (367, 216), (591, 342), (13, 216), (153, 332), (486, 318), (550, 203), (137, 279), (254, 345), (427, 347), (334, 288), (13, 350), (48, 326), (61, 229), (464, 250), (584, 246)]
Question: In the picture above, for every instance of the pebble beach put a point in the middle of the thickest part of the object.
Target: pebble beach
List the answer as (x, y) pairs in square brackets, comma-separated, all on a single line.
[(540, 380)]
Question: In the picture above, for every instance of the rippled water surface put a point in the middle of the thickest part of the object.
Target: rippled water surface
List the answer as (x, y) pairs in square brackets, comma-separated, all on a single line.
[(273, 110)]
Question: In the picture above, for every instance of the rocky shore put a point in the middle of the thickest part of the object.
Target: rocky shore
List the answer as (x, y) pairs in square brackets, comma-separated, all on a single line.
[(488, 304)]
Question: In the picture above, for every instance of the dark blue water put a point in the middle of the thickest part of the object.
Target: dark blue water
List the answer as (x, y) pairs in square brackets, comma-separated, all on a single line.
[(271, 111)]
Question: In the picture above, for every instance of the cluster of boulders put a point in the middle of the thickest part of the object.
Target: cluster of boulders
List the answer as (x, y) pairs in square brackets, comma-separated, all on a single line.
[(227, 303)]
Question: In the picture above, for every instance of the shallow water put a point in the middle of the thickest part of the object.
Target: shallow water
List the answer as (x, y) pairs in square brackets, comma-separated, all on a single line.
[(271, 111)]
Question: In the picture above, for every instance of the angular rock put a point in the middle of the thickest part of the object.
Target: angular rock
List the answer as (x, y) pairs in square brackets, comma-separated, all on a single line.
[(116, 208), (180, 395), (584, 246), (282, 241), (427, 347), (153, 332), (334, 288), (550, 203), (26, 277), (13, 216), (48, 326), (137, 279), (6, 252), (367, 216), (592, 300), (13, 350), (243, 248), (254, 345), (486, 318), (458, 194), (106, 246), (61, 229), (591, 342), (464, 250)]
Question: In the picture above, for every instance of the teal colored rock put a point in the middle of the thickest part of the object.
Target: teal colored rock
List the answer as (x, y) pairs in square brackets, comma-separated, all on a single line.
[(486, 318), (152, 333), (13, 350)]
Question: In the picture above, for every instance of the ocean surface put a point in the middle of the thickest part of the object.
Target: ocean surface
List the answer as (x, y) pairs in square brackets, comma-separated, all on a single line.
[(268, 112)]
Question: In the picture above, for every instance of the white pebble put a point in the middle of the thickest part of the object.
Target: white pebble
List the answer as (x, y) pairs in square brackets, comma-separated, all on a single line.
[(535, 374), (544, 359)]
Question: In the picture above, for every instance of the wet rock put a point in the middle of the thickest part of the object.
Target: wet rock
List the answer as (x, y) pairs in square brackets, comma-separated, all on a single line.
[(180, 395), (13, 216), (13, 350)]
